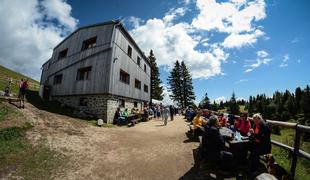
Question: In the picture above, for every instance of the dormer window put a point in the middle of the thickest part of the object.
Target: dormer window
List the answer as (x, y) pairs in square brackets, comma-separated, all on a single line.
[(62, 54), (89, 43)]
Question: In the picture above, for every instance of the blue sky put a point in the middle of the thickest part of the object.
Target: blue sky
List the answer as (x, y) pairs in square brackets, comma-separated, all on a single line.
[(251, 47), (286, 27)]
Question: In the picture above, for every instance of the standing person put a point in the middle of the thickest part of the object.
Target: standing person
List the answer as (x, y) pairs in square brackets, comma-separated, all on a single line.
[(22, 93), (165, 115), (158, 111), (171, 110), (261, 142)]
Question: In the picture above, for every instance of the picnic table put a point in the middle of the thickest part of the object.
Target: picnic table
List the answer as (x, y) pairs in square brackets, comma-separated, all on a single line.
[(238, 148)]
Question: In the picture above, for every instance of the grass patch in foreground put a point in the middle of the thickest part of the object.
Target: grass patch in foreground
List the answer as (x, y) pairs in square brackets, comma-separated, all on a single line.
[(284, 159), (17, 155), (5, 111)]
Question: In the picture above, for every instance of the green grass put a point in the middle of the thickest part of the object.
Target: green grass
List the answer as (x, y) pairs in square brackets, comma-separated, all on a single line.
[(284, 159), (19, 157), (5, 111), (5, 72)]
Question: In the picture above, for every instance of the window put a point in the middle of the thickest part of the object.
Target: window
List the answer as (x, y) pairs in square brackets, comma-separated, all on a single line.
[(144, 68), (121, 103), (124, 77), (89, 43), (135, 104), (58, 79), (137, 84), (83, 102), (83, 73), (146, 88), (62, 54), (129, 51), (138, 60)]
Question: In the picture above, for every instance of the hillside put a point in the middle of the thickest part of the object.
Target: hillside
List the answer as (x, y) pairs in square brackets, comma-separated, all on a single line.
[(6, 73)]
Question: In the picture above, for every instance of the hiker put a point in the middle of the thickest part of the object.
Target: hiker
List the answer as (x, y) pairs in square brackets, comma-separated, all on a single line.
[(171, 110), (23, 86), (165, 115)]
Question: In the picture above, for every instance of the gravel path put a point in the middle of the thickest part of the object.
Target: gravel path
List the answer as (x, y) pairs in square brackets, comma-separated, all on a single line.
[(145, 151)]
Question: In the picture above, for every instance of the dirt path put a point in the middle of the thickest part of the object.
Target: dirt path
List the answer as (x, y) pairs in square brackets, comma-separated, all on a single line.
[(146, 151)]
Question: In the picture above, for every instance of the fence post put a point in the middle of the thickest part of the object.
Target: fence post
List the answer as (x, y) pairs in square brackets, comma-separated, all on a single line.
[(296, 151)]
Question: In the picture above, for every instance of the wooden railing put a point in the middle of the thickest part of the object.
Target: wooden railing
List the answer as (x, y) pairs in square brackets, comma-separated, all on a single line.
[(295, 151)]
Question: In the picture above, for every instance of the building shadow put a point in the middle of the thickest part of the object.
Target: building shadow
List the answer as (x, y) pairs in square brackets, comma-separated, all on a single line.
[(203, 170), (51, 106)]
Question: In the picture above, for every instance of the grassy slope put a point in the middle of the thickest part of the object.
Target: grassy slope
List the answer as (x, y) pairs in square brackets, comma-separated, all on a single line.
[(282, 156), (5, 72), (18, 155)]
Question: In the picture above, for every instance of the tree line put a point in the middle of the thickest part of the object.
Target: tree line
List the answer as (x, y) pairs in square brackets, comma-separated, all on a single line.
[(282, 106)]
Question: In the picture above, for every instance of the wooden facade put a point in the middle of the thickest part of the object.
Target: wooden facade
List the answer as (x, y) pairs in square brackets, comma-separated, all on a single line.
[(90, 61)]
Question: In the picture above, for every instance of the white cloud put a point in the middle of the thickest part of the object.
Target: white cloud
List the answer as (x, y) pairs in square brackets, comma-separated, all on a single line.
[(61, 11), (239, 40), (284, 63), (174, 41), (219, 99), (229, 17), (240, 99), (262, 54), (33, 28), (135, 21), (241, 81), (296, 40), (166, 97), (235, 17), (262, 59)]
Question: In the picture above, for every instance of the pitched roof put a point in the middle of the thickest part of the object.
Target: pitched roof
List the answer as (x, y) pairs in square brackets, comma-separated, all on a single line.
[(117, 23)]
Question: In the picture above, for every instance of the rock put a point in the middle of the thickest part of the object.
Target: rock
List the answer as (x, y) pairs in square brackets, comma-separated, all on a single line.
[(99, 122), (265, 176)]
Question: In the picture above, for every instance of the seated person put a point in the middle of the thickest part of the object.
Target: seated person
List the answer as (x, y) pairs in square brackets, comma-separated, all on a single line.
[(118, 116), (243, 124), (222, 120), (261, 141), (198, 122), (125, 113), (213, 145), (206, 113)]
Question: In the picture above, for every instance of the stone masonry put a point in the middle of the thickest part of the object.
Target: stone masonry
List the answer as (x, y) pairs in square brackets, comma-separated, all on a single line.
[(101, 106)]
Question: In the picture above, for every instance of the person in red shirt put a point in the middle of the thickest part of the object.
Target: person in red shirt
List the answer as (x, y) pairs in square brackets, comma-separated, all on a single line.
[(243, 124), (222, 120)]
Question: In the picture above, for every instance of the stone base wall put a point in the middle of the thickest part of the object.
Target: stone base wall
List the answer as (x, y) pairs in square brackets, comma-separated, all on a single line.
[(101, 106)]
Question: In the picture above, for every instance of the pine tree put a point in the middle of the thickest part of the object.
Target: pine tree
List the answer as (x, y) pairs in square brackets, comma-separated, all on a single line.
[(174, 82), (305, 104), (180, 85), (233, 106), (298, 95), (205, 102), (250, 106), (187, 86), (156, 89)]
